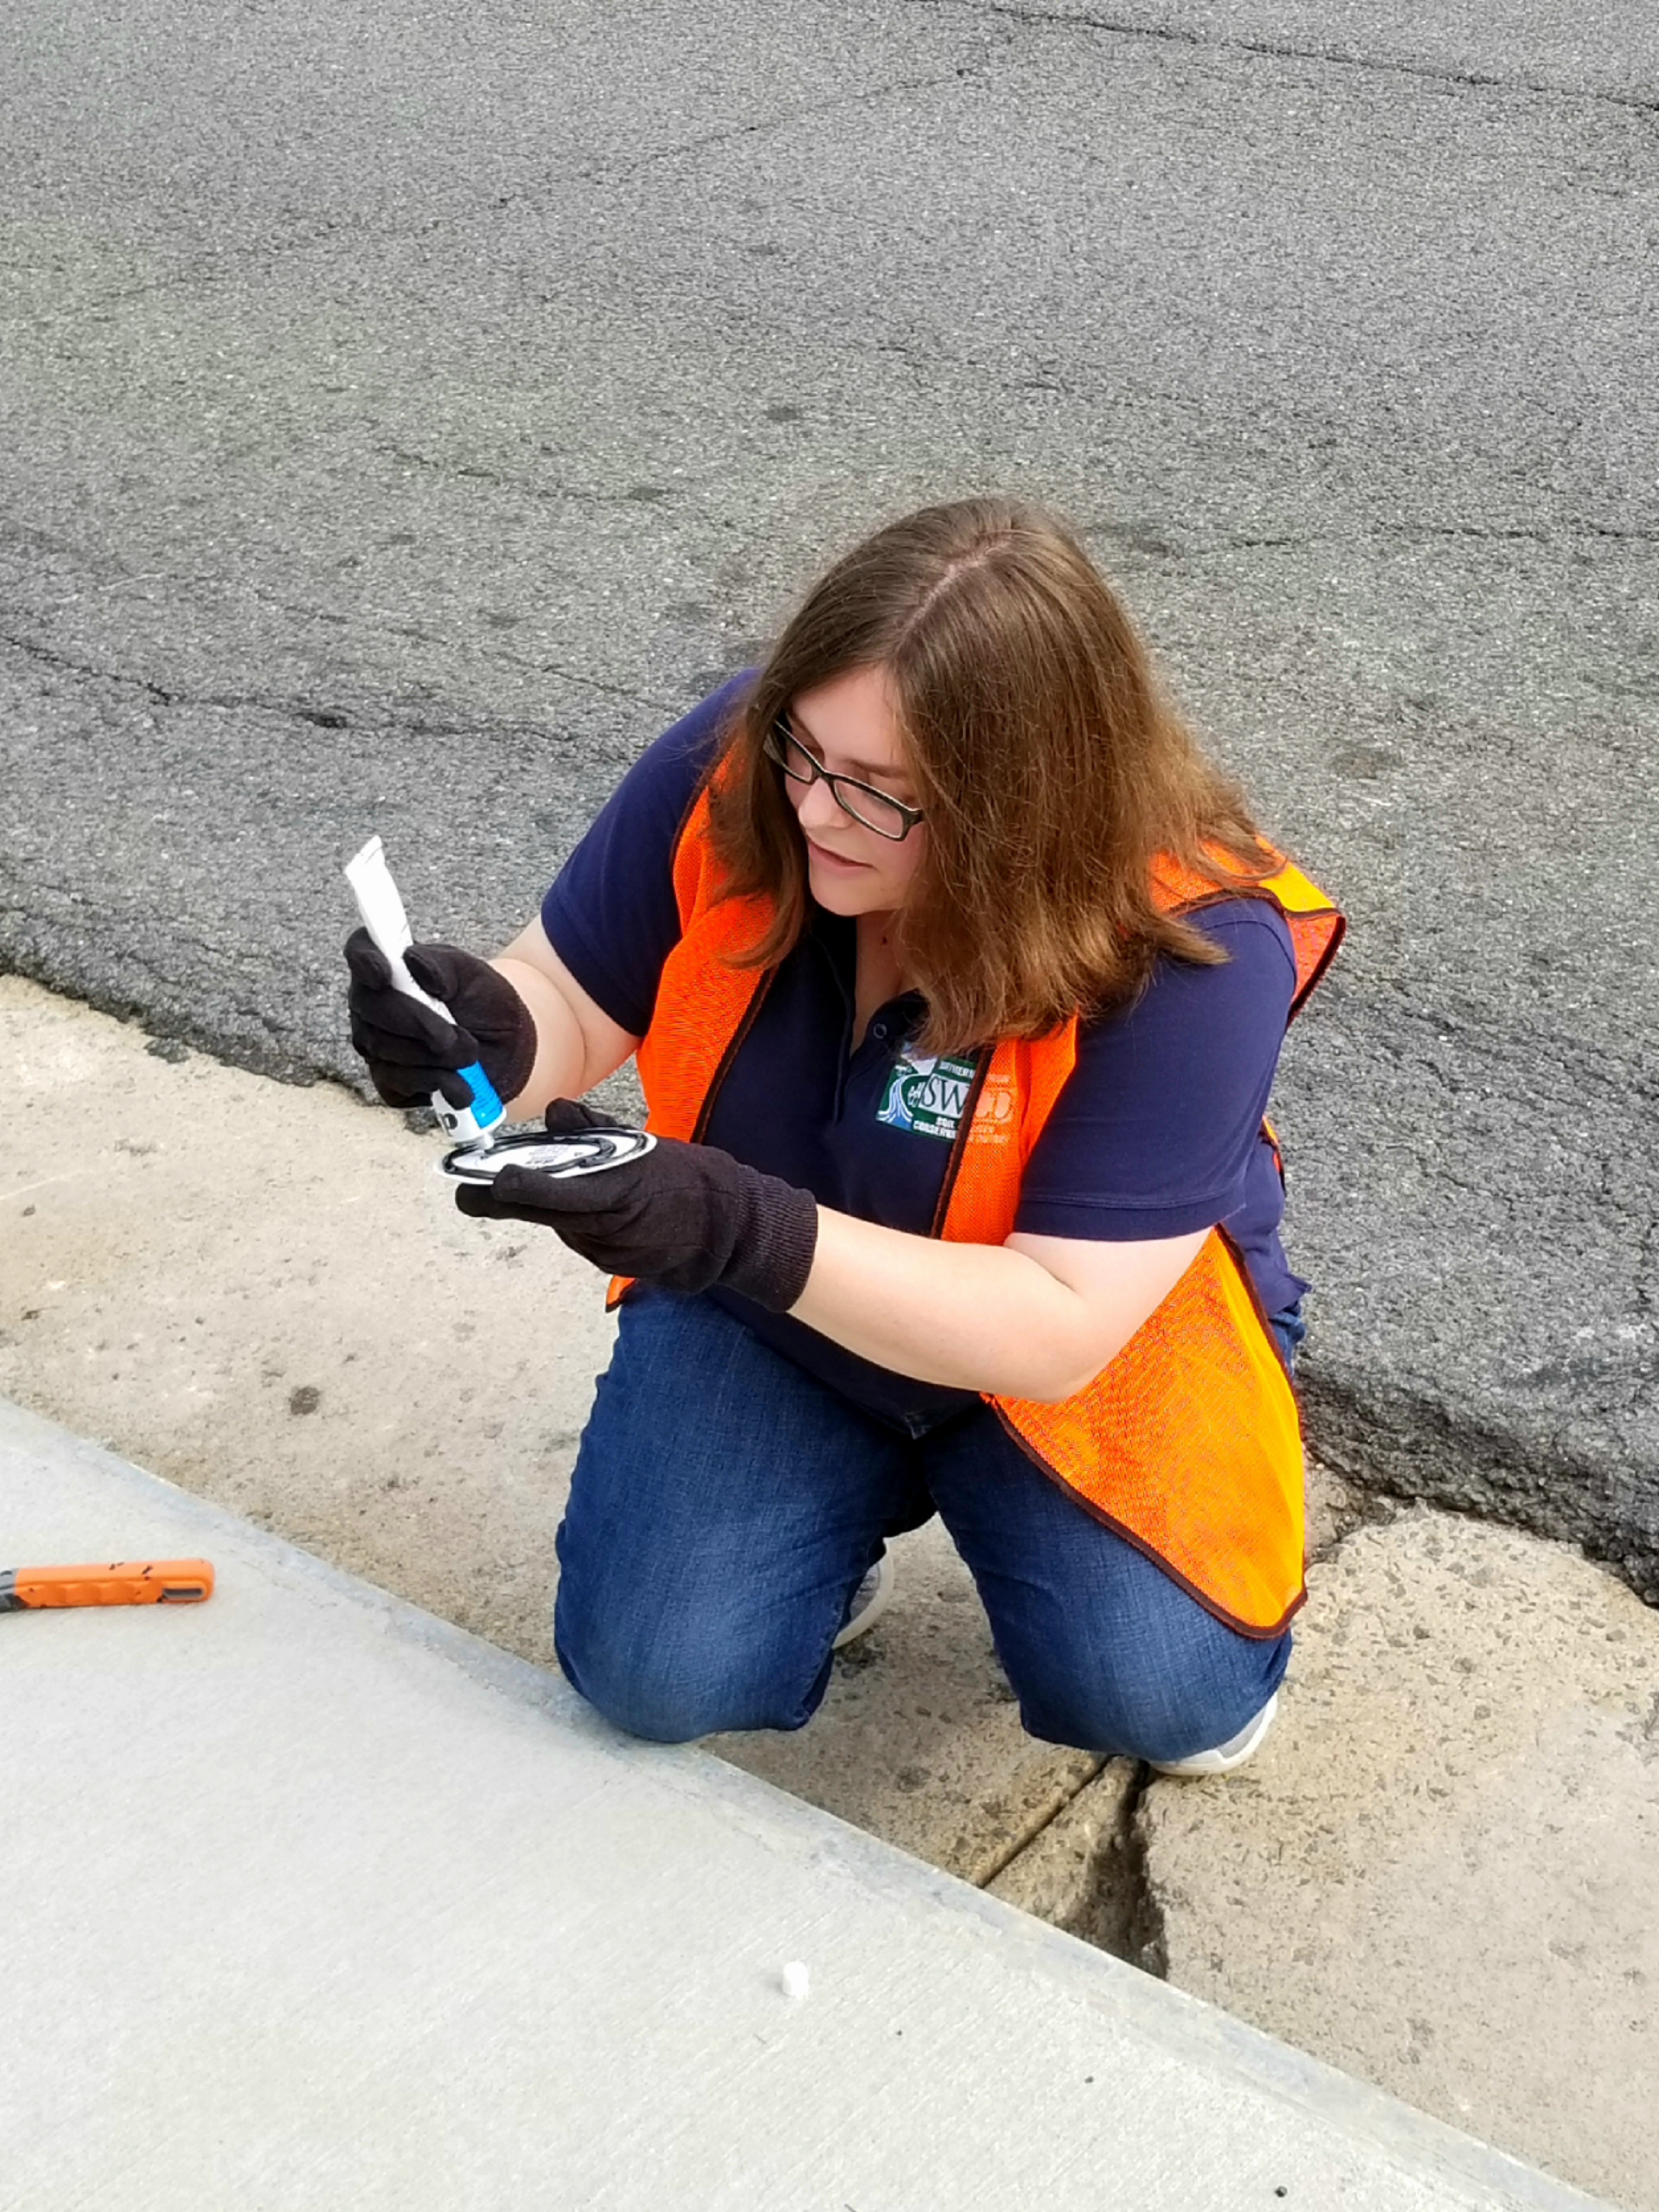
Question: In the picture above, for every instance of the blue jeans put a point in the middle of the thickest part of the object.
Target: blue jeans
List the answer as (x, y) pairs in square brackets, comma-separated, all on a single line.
[(1288, 1326), (725, 1505)]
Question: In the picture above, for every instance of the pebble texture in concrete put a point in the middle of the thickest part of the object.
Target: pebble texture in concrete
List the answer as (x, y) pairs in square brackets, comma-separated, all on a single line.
[(1442, 1870)]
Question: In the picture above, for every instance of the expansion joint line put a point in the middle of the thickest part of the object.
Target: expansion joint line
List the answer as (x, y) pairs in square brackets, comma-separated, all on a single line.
[(1120, 1912), (1037, 1826)]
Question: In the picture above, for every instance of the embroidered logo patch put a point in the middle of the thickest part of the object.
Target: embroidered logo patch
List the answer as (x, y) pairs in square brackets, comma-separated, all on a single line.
[(926, 1095)]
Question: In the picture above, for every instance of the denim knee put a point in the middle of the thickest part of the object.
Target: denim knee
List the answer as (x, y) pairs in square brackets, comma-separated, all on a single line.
[(672, 1685), (1162, 1714)]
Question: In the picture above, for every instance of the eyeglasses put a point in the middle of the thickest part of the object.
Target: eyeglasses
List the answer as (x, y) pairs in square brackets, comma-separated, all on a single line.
[(875, 810)]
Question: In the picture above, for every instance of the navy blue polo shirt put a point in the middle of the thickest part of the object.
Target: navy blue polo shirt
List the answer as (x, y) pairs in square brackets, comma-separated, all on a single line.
[(1157, 1132)]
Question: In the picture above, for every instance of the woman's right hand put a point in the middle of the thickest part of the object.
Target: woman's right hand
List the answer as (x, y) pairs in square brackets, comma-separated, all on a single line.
[(412, 1051)]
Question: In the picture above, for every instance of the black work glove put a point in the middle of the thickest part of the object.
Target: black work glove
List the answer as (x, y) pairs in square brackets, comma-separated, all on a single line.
[(412, 1052), (685, 1216)]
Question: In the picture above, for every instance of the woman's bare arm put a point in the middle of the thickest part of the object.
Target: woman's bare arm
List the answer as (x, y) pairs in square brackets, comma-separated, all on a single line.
[(1037, 1317), (577, 1043)]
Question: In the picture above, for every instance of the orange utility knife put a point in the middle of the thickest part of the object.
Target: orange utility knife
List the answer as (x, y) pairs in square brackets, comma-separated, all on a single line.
[(127, 1582)]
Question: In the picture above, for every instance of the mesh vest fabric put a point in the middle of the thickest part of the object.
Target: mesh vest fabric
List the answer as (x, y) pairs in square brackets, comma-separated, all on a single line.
[(1188, 1443)]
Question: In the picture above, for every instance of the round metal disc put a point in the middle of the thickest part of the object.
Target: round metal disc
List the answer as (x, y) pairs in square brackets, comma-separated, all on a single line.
[(590, 1152)]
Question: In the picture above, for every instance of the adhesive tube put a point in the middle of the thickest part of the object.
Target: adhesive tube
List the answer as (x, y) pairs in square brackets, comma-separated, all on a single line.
[(383, 918)]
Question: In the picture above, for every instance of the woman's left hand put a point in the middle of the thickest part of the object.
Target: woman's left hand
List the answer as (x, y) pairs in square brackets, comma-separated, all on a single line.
[(685, 1216)]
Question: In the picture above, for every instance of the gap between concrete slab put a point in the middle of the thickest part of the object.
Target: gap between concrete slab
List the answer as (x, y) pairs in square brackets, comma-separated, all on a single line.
[(1023, 1837), (1091, 1876), (1086, 1871)]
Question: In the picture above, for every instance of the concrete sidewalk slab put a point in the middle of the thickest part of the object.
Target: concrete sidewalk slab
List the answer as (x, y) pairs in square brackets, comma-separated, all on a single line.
[(1442, 1870), (316, 1900)]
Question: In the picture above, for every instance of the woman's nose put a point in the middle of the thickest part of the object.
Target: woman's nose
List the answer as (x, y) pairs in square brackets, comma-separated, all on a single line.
[(818, 808)]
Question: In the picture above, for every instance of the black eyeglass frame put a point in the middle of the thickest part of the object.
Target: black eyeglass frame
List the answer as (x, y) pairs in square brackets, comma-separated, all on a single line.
[(776, 744)]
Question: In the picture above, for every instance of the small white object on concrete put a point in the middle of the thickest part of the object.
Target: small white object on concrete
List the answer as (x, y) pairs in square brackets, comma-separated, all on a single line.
[(796, 1982)]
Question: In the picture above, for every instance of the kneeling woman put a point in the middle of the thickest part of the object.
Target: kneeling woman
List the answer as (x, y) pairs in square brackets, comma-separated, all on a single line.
[(958, 979)]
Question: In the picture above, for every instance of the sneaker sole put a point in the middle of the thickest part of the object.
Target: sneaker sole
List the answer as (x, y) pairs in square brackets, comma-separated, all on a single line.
[(1218, 1761), (870, 1612)]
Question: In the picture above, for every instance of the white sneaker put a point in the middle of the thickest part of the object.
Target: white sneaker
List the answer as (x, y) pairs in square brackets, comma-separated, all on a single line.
[(1225, 1756), (870, 1600)]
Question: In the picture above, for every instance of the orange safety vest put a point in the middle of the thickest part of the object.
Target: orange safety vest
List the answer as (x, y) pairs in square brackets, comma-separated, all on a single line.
[(1188, 1443)]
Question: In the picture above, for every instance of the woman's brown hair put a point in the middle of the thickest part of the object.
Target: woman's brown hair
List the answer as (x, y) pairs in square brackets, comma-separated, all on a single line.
[(1050, 769)]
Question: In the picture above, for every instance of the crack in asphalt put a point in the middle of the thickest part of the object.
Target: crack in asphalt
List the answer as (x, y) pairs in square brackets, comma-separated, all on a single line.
[(1478, 532), (1647, 1272), (1285, 50), (34, 651), (364, 619), (604, 171), (220, 265), (325, 717)]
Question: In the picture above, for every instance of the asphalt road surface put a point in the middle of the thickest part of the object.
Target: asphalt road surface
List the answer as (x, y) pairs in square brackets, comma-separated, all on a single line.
[(405, 412)]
